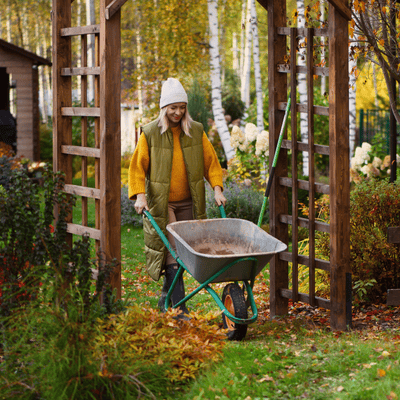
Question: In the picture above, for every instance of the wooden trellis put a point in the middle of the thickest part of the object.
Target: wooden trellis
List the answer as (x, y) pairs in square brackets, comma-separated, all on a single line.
[(107, 130), (338, 152)]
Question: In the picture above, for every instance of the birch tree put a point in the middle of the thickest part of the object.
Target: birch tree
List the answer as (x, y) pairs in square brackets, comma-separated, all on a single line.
[(257, 69), (90, 20), (352, 98), (302, 88), (245, 78), (323, 41), (215, 74)]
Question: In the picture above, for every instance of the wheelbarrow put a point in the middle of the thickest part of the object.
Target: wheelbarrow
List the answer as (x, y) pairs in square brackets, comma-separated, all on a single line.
[(222, 250)]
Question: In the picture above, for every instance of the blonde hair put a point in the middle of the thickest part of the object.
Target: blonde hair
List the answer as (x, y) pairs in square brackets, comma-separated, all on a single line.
[(163, 122)]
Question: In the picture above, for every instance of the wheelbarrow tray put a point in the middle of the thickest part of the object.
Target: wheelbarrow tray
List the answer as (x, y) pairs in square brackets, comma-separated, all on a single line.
[(207, 246)]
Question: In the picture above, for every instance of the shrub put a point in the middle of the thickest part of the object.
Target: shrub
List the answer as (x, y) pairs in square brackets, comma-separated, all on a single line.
[(197, 105), (242, 202), (374, 206), (128, 212)]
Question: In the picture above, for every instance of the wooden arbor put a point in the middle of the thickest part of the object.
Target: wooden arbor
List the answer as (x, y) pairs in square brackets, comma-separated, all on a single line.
[(338, 152), (107, 114)]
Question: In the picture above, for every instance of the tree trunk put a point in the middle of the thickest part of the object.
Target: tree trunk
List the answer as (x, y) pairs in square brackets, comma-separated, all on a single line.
[(235, 50), (40, 52), (215, 74), (352, 100), (323, 42), (90, 20), (257, 69), (245, 80), (302, 88), (242, 37)]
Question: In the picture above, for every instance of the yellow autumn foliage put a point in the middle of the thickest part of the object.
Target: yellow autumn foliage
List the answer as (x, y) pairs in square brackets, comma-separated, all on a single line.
[(144, 336)]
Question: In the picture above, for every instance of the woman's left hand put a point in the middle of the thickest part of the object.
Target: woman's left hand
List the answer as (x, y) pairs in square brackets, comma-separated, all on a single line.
[(219, 197)]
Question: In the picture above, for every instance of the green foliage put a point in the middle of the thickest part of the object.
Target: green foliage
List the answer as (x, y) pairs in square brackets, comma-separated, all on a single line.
[(374, 207), (252, 110), (198, 106), (26, 237), (46, 142), (231, 101), (242, 202)]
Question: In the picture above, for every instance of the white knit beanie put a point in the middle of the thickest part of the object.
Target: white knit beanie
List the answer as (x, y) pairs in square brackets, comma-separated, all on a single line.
[(172, 91)]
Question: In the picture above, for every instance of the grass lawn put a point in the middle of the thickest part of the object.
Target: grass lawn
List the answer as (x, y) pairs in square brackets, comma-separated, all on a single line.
[(293, 357)]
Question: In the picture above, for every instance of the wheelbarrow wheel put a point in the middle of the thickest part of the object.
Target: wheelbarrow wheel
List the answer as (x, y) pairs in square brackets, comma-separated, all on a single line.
[(234, 301)]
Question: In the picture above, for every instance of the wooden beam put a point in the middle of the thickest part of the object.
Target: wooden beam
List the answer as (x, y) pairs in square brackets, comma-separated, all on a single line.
[(80, 111), (82, 71), (82, 230), (113, 7), (342, 8), (393, 297), (82, 191), (303, 108), (393, 234), (80, 30), (110, 139), (62, 92), (278, 199), (339, 167), (81, 151)]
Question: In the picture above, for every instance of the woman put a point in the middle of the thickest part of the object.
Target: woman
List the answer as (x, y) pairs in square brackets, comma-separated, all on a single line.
[(166, 177)]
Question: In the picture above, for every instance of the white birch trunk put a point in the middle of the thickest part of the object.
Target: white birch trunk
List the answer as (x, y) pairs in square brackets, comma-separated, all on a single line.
[(40, 51), (25, 30), (257, 69), (8, 23), (215, 74), (47, 75), (90, 20), (352, 100), (139, 68), (323, 42), (243, 27), (245, 80), (235, 58), (302, 88)]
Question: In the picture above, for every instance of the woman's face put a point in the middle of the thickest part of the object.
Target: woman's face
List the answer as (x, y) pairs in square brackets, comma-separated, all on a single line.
[(175, 112)]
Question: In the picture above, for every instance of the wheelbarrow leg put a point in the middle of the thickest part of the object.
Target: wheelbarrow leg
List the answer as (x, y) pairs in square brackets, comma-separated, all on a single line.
[(179, 290)]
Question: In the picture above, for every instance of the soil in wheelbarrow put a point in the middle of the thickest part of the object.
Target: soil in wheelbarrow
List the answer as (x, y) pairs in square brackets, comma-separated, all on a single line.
[(219, 248)]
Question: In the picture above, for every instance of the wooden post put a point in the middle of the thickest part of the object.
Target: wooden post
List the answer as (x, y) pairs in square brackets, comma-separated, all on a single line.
[(62, 92), (393, 295), (110, 140), (278, 199), (339, 163)]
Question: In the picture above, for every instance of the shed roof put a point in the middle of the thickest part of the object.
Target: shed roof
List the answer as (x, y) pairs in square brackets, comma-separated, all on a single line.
[(37, 60)]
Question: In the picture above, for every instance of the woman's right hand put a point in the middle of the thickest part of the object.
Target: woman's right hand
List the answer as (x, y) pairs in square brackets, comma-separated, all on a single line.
[(141, 203)]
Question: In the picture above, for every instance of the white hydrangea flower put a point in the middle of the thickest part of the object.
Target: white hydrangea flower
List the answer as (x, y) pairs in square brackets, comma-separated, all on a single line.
[(366, 169), (243, 146), (366, 147), (377, 162), (251, 132), (262, 143)]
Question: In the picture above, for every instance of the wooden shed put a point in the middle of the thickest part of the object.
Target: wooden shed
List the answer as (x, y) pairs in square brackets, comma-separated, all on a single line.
[(22, 65)]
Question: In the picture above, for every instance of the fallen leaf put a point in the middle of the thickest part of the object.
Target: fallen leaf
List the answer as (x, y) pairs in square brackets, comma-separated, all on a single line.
[(266, 378), (380, 373), (385, 353), (339, 388)]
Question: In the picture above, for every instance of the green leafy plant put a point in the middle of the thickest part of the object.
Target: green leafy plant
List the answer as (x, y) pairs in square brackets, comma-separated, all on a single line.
[(242, 202), (374, 207), (361, 288)]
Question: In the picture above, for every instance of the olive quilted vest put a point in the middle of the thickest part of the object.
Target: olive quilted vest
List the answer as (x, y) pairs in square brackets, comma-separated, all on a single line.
[(158, 180)]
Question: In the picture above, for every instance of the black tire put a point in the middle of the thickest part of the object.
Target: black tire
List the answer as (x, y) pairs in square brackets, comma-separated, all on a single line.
[(235, 303)]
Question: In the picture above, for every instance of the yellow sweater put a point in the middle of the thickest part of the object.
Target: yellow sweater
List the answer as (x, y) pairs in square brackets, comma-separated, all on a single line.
[(179, 189)]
